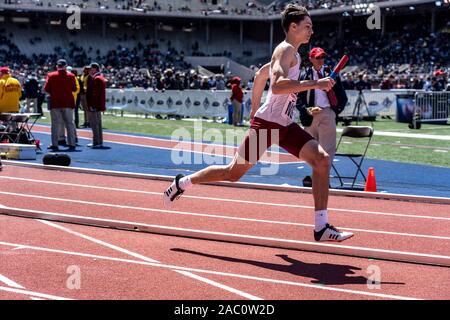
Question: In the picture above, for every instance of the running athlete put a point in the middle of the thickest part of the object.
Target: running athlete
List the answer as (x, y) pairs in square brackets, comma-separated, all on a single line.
[(275, 118)]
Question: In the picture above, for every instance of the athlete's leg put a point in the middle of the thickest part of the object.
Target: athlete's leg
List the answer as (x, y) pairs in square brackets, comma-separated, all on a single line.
[(231, 172), (319, 161), (247, 155)]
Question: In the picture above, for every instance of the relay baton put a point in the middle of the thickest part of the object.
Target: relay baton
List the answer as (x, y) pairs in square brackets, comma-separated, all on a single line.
[(339, 67)]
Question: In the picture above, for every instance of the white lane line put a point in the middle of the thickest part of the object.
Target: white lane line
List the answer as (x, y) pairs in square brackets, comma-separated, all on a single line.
[(408, 135), (33, 293), (322, 247), (213, 216), (219, 285), (159, 194), (97, 241), (205, 271), (10, 282), (147, 259)]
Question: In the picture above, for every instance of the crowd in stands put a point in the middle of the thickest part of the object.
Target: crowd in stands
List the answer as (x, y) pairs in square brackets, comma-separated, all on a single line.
[(407, 57), (205, 7), (144, 66)]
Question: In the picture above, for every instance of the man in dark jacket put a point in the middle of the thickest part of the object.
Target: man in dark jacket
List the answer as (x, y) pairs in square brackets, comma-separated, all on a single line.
[(96, 104), (319, 109), (32, 92), (61, 85)]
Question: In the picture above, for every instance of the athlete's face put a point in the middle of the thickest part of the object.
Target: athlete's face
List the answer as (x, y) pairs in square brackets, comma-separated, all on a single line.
[(303, 30)]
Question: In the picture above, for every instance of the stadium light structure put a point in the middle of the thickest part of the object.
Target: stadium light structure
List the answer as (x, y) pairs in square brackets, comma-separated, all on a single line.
[(363, 8)]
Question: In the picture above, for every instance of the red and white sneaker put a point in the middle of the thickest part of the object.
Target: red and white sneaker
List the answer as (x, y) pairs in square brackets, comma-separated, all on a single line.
[(330, 233)]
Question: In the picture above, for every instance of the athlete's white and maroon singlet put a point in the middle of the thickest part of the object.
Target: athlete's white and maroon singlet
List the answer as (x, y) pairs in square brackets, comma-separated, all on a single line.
[(280, 108)]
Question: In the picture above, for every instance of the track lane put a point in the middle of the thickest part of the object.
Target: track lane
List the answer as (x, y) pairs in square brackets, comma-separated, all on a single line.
[(199, 255), (109, 204), (310, 269), (240, 194), (301, 233)]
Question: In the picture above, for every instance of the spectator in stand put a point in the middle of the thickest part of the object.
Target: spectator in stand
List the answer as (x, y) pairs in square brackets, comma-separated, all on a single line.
[(416, 83), (348, 82), (32, 91), (61, 85), (368, 82), (169, 81), (441, 79), (195, 82), (388, 83), (427, 84), (436, 85), (204, 85), (178, 82), (220, 83), (236, 99), (212, 82), (96, 102), (361, 84)]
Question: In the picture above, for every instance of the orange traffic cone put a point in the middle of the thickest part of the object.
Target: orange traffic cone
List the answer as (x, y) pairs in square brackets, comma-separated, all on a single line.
[(371, 183)]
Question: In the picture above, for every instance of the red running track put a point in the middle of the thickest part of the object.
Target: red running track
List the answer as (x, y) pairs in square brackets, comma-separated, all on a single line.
[(122, 265)]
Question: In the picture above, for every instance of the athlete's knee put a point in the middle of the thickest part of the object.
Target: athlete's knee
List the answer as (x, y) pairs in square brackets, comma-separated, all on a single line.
[(321, 162), (234, 173)]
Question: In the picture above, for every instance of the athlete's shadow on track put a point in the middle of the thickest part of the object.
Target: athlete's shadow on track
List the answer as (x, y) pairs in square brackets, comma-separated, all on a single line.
[(321, 273)]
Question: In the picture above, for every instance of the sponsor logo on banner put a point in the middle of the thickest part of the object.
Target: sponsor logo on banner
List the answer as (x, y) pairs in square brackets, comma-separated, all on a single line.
[(169, 102), (206, 103)]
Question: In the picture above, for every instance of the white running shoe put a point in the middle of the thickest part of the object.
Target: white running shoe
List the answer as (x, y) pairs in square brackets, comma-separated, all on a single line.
[(330, 233), (173, 192)]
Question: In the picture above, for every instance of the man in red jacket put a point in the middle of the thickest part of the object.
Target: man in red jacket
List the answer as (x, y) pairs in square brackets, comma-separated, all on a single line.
[(96, 104), (60, 85), (236, 99)]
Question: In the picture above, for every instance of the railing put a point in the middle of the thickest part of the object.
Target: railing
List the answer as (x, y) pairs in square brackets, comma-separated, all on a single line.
[(431, 107)]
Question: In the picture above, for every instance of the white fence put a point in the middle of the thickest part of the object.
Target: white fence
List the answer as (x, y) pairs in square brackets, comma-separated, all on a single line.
[(432, 106), (193, 103), (215, 103)]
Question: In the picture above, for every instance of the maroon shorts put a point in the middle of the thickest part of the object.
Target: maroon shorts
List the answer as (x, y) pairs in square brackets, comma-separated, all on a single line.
[(263, 134)]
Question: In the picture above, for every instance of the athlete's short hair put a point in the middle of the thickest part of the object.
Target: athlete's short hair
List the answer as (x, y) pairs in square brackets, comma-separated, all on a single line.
[(293, 13)]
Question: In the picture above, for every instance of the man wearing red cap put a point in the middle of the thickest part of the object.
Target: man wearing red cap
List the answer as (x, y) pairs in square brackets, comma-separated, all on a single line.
[(319, 109), (10, 91), (273, 123)]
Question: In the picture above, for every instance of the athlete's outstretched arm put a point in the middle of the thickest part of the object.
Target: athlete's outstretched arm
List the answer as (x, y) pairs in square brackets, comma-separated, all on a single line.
[(281, 62), (259, 84)]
